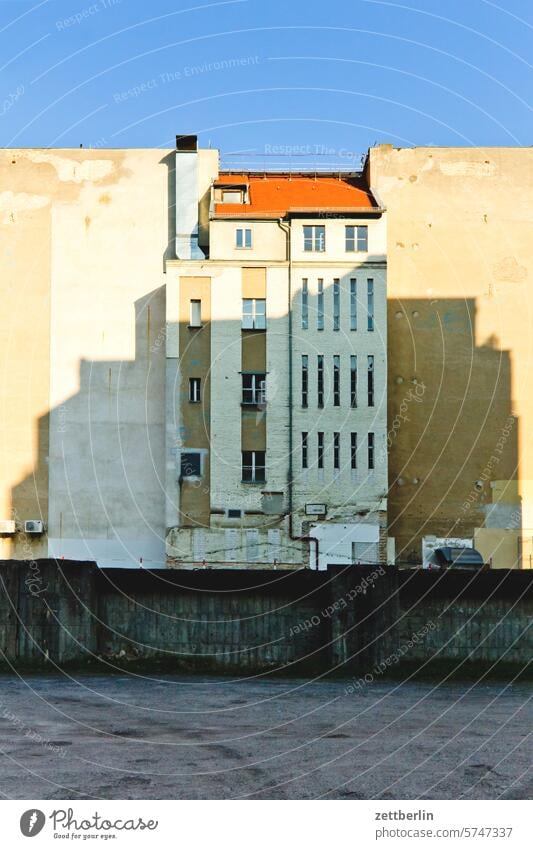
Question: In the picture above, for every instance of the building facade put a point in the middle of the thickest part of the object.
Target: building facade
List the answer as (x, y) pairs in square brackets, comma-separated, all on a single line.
[(276, 373)]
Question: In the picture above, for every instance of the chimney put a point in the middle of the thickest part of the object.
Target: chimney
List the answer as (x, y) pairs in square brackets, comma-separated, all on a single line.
[(187, 198)]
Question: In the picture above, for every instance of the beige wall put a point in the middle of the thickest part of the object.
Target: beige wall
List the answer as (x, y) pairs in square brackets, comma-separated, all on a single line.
[(460, 260)]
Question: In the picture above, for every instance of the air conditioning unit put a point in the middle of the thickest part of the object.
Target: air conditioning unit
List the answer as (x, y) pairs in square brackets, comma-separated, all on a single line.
[(7, 526), (33, 526)]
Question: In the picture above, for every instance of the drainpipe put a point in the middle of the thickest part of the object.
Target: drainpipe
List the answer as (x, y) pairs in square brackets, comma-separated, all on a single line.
[(287, 229)]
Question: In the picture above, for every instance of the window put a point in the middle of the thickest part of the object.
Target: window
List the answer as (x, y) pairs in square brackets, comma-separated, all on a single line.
[(305, 379), (370, 303), (336, 381), (232, 196), (195, 314), (357, 238), (191, 464), (243, 238), (320, 436), (336, 304), (194, 390), (254, 388), (234, 513), (320, 306), (305, 304), (253, 466), (305, 458), (253, 314), (336, 451), (320, 380), (353, 304), (353, 381), (370, 450), (315, 238), (353, 450), (370, 375)]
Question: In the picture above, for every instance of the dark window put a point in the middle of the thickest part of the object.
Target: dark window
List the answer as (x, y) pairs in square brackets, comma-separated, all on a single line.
[(305, 436), (336, 381), (194, 390), (336, 450), (191, 464), (305, 304), (234, 513), (370, 450), (370, 375), (320, 436), (253, 466), (320, 379), (195, 313), (353, 381), (305, 379), (353, 450), (336, 304), (253, 388)]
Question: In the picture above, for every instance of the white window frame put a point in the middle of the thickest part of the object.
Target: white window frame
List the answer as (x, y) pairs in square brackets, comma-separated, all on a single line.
[(195, 390), (314, 238), (370, 291), (356, 238), (254, 466), (195, 312), (257, 389), (243, 238), (253, 319)]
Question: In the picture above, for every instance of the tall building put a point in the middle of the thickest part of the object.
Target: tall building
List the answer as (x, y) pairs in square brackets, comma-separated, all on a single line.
[(276, 369)]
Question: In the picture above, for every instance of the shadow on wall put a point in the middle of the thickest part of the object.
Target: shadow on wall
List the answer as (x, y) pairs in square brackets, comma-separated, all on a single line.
[(106, 461), (452, 436)]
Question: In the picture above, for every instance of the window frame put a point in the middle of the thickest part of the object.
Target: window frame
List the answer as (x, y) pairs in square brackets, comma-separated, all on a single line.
[(305, 381), (257, 389), (356, 238), (305, 449), (371, 450), (336, 451), (336, 303), (195, 304), (320, 304), (305, 303), (254, 316), (353, 303), (370, 380), (314, 236), (353, 450), (353, 381), (195, 383), (320, 449), (320, 381), (336, 380), (370, 292), (195, 475), (244, 232), (257, 468)]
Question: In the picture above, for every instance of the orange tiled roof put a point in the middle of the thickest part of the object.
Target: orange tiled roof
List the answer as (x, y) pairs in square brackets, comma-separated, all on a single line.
[(275, 195)]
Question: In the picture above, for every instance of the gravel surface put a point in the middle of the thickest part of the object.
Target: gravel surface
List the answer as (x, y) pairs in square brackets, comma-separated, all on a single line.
[(177, 737)]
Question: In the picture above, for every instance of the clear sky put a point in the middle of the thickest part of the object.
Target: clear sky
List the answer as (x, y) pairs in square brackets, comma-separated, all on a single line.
[(269, 82)]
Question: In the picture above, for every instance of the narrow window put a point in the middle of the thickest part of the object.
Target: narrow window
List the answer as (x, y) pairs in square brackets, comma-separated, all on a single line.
[(349, 237), (254, 388), (305, 437), (305, 304), (195, 314), (320, 436), (370, 303), (370, 450), (314, 238), (336, 380), (320, 380), (336, 304), (253, 466), (194, 390), (353, 304), (336, 451), (320, 305), (370, 375), (353, 450), (362, 238), (353, 381), (253, 314), (232, 196), (243, 237), (305, 380), (190, 464)]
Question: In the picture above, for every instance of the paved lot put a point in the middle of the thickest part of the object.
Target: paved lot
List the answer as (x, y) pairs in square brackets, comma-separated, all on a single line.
[(172, 737)]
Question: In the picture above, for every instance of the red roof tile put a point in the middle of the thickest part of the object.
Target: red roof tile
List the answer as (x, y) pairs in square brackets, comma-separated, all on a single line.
[(275, 195)]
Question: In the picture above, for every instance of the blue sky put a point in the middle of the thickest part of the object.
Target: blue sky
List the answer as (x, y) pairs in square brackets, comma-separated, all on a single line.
[(266, 81)]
